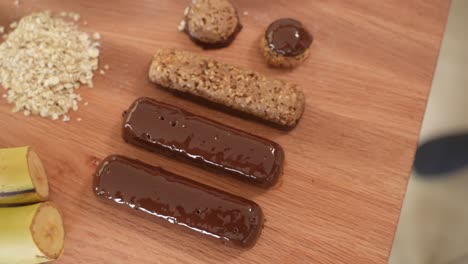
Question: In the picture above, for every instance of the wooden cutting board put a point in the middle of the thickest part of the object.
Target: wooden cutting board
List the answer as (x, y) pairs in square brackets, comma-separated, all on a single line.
[(347, 162)]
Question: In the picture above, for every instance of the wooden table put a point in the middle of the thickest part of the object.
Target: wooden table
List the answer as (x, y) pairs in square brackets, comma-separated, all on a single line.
[(348, 161)]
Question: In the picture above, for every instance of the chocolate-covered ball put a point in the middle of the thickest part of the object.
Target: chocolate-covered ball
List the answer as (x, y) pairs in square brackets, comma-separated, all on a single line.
[(286, 43)]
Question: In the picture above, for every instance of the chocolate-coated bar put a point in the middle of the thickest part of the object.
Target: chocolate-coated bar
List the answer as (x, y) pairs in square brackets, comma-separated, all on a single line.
[(213, 213), (168, 129)]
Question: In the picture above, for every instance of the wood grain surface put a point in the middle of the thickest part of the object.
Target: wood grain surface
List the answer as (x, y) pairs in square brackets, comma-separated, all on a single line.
[(347, 162)]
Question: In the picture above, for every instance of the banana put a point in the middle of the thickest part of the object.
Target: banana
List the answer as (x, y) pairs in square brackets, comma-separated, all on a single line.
[(22, 177), (30, 234)]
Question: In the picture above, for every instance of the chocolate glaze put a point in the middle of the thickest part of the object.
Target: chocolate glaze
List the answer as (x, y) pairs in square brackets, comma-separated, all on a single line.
[(210, 212), (215, 45), (288, 37), (170, 130)]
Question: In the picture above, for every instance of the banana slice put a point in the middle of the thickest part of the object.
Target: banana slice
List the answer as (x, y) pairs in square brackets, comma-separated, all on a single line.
[(30, 234), (22, 177)]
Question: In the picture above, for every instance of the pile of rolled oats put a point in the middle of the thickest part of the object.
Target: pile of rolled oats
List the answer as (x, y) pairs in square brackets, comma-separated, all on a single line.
[(43, 60)]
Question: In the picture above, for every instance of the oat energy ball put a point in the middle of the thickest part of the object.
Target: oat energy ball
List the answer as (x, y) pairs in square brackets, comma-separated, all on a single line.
[(286, 43), (211, 23)]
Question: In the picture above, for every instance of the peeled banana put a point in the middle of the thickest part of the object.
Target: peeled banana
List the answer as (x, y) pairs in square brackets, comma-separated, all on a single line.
[(30, 234), (22, 177)]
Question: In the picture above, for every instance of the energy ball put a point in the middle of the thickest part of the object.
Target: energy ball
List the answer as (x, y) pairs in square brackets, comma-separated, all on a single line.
[(286, 43), (211, 23)]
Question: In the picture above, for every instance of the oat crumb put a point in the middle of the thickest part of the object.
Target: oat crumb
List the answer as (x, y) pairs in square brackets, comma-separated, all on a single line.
[(85, 22), (27, 112), (2, 30), (181, 25), (79, 119), (102, 72), (74, 16), (17, 2), (186, 11), (63, 14), (14, 25), (246, 13), (96, 35), (85, 103), (106, 67), (66, 118), (93, 52)]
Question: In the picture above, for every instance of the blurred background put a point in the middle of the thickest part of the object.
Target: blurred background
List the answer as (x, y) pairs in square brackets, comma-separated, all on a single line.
[(433, 226)]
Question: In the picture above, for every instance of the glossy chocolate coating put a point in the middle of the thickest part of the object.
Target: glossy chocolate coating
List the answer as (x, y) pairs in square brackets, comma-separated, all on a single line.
[(165, 128), (216, 45), (288, 37), (213, 213)]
